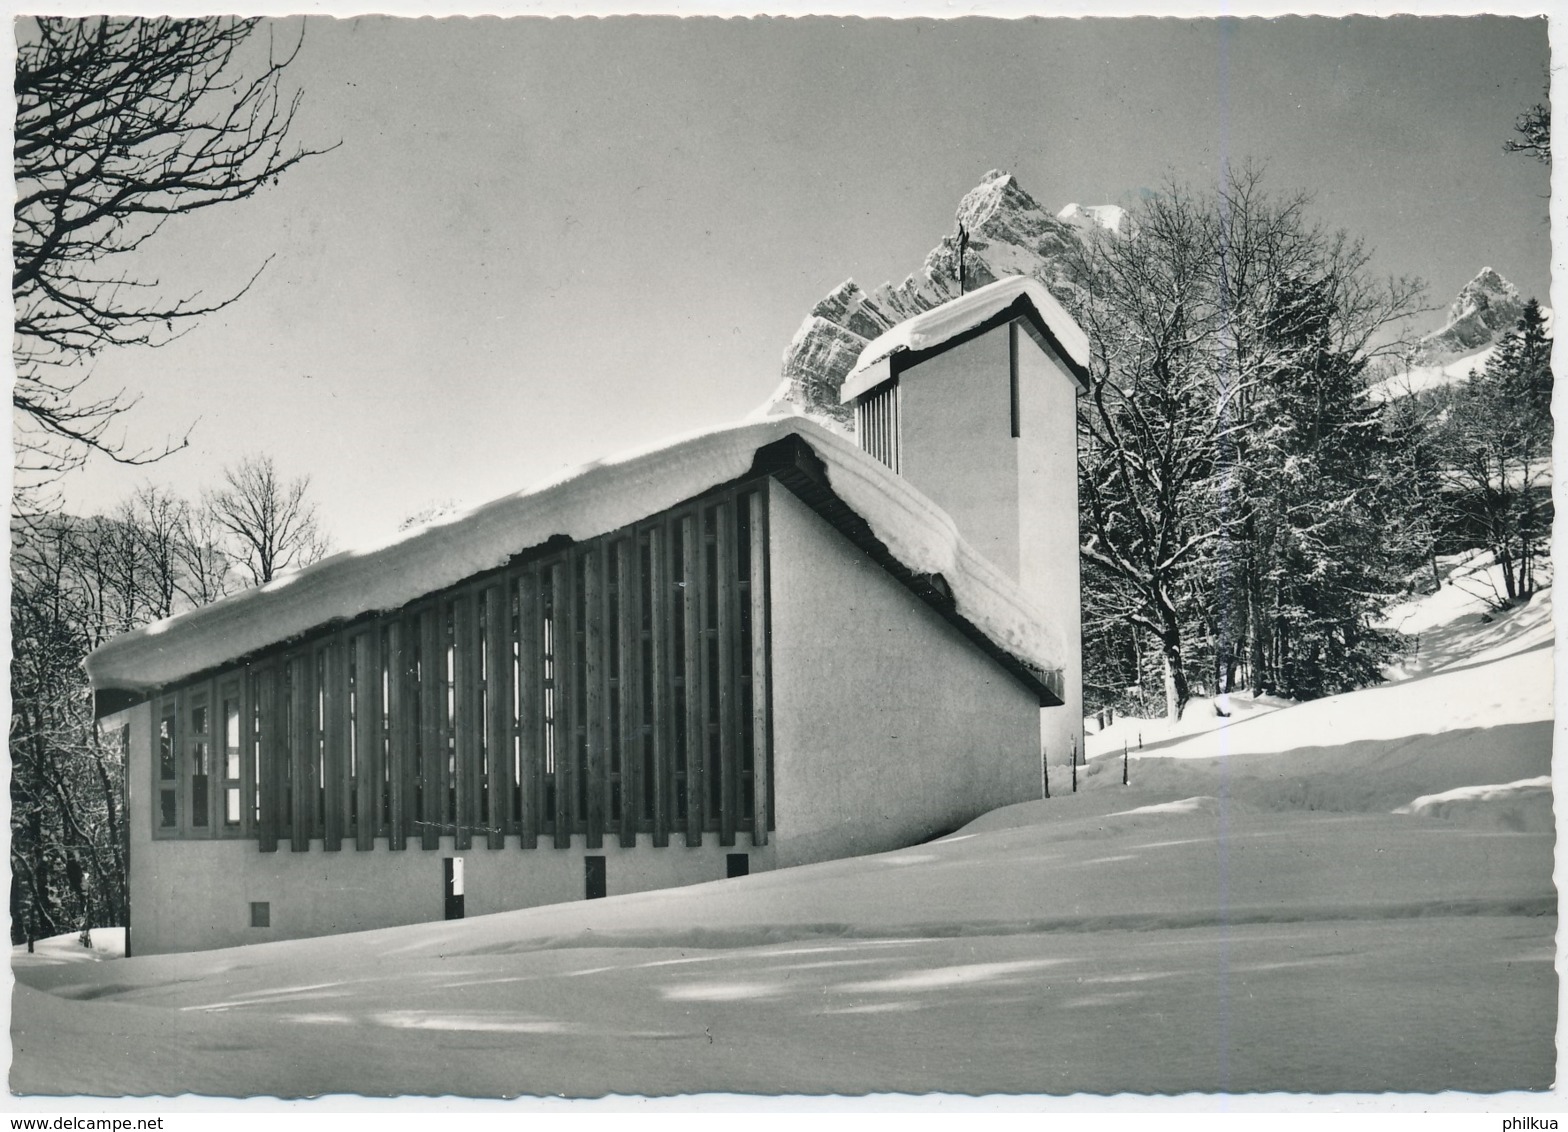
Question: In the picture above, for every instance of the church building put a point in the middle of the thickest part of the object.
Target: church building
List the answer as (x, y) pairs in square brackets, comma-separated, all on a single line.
[(751, 648)]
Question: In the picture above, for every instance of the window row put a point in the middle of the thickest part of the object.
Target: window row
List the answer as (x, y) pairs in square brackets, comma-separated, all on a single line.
[(613, 687)]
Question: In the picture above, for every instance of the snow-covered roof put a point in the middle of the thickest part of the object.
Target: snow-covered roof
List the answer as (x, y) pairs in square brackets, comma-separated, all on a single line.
[(586, 502), (941, 324)]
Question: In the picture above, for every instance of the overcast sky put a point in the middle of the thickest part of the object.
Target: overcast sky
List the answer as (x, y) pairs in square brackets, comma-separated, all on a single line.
[(540, 242)]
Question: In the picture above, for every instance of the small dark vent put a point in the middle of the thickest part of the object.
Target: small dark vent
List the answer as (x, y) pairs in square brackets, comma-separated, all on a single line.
[(876, 423)]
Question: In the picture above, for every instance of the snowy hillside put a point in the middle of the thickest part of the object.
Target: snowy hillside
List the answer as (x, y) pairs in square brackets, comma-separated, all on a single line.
[(1350, 895)]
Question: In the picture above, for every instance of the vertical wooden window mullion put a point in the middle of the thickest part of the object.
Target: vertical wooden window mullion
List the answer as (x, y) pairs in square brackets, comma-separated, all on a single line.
[(302, 784), (396, 745), (595, 700), (182, 707), (696, 700), (264, 755), (630, 721), (761, 674), (333, 752), (432, 693), (564, 648), (658, 630), (464, 648), (342, 735), (213, 789), (367, 735), (728, 631), (498, 706), (612, 778), (528, 698), (182, 732), (317, 712)]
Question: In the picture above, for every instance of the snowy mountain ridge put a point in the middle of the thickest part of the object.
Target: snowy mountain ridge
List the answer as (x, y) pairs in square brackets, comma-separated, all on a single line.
[(1008, 233)]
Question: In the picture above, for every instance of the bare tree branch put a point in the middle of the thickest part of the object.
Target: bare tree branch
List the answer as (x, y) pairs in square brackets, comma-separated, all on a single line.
[(121, 124)]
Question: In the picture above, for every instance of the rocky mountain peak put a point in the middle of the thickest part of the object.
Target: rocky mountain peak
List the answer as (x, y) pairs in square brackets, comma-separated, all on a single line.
[(1486, 307), (1008, 233)]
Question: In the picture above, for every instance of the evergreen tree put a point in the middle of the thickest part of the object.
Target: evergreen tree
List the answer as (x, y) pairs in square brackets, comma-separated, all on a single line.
[(1321, 458), (1497, 445)]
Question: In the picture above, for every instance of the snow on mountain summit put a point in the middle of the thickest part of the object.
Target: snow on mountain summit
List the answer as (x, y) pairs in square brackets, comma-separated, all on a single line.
[(1005, 232), (1111, 217), (1485, 309)]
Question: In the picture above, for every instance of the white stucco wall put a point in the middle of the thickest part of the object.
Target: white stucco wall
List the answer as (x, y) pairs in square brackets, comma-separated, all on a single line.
[(196, 894), (889, 726), (1048, 525), (1015, 499), (956, 444)]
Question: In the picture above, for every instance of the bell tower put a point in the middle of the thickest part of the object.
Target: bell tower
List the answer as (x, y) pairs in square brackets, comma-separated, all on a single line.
[(974, 402)]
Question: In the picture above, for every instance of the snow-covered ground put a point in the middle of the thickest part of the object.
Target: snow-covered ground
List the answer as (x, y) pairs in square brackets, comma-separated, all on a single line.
[(1420, 378), (1351, 895)]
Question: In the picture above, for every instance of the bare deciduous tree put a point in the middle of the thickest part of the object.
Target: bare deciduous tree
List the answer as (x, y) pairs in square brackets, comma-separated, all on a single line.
[(205, 569), (1534, 128), (272, 523), (120, 124)]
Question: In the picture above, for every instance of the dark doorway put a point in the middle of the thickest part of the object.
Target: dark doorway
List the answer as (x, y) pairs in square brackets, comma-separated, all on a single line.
[(452, 867), (737, 864), (593, 872)]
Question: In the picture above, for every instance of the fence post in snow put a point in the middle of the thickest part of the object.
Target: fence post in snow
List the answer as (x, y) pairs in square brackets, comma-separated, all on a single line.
[(1124, 764), (1074, 761), (1045, 772)]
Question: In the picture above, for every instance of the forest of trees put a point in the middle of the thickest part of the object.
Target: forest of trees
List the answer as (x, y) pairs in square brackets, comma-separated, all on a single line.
[(1248, 509), (122, 125), (76, 582)]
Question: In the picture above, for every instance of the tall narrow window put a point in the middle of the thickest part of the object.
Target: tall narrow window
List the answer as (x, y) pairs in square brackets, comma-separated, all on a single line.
[(231, 756), (168, 770), (351, 783), (515, 640), (612, 636), (200, 749), (448, 721), (547, 599), (385, 731), (258, 772)]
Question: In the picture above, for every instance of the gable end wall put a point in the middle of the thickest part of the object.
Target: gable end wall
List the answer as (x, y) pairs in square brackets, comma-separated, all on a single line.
[(889, 726)]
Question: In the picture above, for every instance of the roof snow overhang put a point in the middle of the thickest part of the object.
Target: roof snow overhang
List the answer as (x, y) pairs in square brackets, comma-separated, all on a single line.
[(893, 522), (956, 321)]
